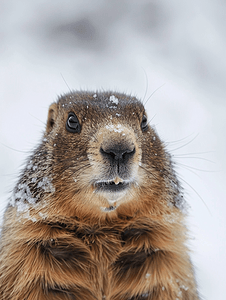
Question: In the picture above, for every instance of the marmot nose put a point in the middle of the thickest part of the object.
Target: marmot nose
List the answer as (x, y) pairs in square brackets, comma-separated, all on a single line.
[(117, 153)]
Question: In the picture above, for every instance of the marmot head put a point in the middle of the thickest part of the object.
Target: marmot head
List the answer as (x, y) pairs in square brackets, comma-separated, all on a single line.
[(105, 156)]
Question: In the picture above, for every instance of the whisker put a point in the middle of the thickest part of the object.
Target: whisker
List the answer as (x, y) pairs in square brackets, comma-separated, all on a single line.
[(148, 172), (154, 93), (195, 193), (84, 167), (70, 90), (193, 157), (37, 119), (193, 168), (9, 175), (188, 169), (151, 119), (196, 153), (178, 141), (28, 151), (185, 144), (146, 89)]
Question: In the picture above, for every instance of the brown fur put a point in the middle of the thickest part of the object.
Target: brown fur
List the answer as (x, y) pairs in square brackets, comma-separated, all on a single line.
[(62, 238)]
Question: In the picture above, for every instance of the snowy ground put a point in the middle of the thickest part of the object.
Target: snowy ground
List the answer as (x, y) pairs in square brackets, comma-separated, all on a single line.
[(129, 46)]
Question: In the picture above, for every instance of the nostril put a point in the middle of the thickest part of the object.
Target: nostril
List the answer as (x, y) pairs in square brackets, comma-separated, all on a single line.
[(117, 153), (112, 154), (107, 153), (128, 153)]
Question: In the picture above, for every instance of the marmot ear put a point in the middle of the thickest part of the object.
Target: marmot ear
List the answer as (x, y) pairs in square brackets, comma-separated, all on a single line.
[(52, 114)]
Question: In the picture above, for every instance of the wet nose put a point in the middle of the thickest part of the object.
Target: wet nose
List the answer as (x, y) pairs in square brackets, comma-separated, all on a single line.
[(117, 153)]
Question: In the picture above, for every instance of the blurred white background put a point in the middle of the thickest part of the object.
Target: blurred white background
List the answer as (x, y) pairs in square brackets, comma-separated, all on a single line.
[(131, 46)]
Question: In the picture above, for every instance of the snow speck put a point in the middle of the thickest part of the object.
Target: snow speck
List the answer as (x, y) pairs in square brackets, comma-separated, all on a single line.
[(154, 138), (30, 165), (145, 295), (23, 196), (147, 275), (179, 294), (178, 199), (21, 206), (46, 185), (43, 216), (95, 95), (183, 287), (113, 99), (118, 115), (115, 128)]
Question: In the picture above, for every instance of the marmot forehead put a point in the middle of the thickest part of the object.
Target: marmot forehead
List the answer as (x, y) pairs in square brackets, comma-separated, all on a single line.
[(101, 101)]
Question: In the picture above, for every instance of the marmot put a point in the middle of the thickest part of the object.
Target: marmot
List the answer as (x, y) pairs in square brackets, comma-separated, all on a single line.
[(97, 212)]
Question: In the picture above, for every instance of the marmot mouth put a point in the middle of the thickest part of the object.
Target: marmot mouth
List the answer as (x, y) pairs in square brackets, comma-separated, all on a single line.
[(111, 186)]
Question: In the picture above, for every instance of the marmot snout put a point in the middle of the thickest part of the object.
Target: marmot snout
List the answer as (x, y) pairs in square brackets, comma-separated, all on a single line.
[(115, 155), (97, 212)]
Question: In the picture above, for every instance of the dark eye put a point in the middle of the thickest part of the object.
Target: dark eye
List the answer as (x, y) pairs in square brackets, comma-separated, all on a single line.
[(72, 124), (144, 123)]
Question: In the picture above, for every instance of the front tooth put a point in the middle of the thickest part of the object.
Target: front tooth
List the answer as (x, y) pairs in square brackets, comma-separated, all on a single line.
[(117, 180)]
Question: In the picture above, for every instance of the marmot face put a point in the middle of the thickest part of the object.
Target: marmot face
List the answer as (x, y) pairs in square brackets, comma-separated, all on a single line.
[(104, 152)]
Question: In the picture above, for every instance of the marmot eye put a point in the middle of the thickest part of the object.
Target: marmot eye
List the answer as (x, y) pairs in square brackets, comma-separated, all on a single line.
[(72, 124), (144, 123)]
